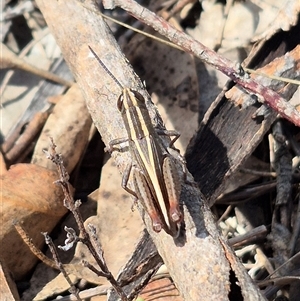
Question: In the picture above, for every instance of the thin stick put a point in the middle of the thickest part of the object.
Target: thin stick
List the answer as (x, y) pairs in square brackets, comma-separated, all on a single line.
[(168, 43), (37, 252), (87, 239)]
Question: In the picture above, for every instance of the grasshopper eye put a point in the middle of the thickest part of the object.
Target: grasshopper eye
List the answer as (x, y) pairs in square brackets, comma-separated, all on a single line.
[(120, 103), (138, 96)]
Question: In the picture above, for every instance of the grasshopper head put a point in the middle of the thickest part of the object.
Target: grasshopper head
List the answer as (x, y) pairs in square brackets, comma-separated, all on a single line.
[(129, 99)]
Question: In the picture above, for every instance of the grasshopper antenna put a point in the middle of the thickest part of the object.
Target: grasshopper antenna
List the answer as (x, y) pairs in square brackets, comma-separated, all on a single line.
[(105, 68)]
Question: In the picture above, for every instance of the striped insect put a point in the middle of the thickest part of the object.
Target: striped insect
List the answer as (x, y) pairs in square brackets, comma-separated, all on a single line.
[(155, 177)]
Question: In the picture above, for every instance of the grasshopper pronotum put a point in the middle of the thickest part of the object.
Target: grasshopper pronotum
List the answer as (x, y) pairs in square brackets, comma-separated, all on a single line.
[(154, 174)]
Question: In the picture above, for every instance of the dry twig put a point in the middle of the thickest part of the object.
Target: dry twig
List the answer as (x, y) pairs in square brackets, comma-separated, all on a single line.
[(88, 238), (73, 290), (232, 70)]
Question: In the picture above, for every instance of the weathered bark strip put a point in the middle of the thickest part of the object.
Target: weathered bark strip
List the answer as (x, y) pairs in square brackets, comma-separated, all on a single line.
[(197, 260), (229, 135)]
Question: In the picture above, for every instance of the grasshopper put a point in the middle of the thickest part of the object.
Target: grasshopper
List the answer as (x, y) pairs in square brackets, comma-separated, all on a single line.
[(155, 178)]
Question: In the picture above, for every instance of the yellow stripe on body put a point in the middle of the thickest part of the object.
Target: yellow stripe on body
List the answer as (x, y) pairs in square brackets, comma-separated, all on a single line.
[(140, 134)]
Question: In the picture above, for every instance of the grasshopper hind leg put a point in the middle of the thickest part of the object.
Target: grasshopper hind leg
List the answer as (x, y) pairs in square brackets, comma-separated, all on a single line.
[(173, 187), (158, 220), (144, 195)]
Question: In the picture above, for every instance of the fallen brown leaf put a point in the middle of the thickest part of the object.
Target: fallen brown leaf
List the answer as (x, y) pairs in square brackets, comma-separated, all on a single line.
[(29, 197)]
